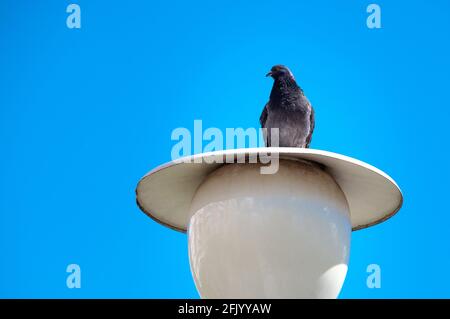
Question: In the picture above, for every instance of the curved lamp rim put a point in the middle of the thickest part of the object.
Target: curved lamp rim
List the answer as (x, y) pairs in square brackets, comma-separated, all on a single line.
[(165, 193)]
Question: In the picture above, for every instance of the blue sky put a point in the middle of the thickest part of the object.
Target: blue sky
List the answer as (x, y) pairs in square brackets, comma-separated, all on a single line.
[(84, 113)]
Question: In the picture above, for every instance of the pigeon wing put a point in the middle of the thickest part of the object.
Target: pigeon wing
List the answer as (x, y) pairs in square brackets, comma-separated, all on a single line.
[(263, 117), (262, 121), (312, 123)]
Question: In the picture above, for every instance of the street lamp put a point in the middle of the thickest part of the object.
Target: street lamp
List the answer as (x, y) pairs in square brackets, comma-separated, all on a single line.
[(281, 235)]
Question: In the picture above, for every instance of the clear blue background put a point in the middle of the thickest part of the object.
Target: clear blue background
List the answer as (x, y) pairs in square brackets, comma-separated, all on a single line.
[(85, 113)]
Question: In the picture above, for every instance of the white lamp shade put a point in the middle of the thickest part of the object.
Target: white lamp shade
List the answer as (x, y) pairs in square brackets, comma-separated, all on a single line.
[(285, 235), (165, 193)]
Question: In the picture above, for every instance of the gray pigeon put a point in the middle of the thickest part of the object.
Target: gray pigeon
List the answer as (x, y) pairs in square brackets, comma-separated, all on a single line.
[(288, 110)]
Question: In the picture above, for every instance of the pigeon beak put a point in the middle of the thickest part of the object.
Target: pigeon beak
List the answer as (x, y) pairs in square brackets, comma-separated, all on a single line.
[(269, 74)]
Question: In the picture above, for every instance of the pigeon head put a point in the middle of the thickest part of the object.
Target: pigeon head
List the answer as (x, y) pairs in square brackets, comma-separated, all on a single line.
[(280, 71)]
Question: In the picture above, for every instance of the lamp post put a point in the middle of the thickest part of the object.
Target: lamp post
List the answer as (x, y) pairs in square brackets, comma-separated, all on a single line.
[(282, 235)]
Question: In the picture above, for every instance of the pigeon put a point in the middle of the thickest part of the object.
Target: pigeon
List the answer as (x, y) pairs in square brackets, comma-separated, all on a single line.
[(288, 110)]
